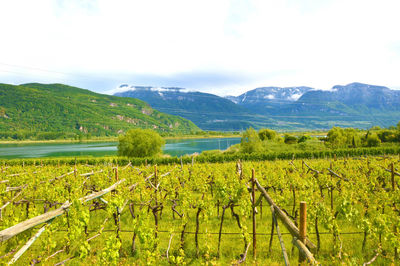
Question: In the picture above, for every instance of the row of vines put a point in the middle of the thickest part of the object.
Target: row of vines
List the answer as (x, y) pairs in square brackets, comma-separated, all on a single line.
[(197, 212)]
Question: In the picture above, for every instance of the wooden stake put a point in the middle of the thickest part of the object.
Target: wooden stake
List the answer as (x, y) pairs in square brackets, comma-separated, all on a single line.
[(181, 163), (294, 231), (32, 222), (303, 227), (27, 245), (304, 250), (155, 183), (278, 232), (155, 175), (254, 211), (393, 183)]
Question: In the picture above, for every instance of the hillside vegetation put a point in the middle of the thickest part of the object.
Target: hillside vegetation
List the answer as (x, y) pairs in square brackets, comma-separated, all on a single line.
[(208, 111), (49, 111)]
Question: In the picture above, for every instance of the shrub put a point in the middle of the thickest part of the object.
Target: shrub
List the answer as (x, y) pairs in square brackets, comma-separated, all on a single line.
[(140, 143), (250, 142), (290, 139), (267, 134), (303, 138), (373, 140)]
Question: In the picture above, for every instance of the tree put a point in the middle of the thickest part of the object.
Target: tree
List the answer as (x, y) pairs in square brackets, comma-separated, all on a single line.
[(387, 135), (335, 137), (267, 134), (303, 138), (398, 131), (250, 142), (373, 141), (289, 139), (343, 138), (140, 143)]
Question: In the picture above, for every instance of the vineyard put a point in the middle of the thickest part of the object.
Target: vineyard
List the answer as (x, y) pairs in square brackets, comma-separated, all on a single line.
[(202, 213)]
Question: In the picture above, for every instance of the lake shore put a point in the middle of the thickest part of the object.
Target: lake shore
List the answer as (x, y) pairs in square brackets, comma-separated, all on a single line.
[(110, 139), (174, 147)]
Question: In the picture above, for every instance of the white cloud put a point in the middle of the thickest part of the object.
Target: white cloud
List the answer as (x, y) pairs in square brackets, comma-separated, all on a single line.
[(277, 43)]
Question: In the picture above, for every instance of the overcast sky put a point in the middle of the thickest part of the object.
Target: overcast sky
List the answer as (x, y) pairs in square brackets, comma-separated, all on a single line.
[(218, 46)]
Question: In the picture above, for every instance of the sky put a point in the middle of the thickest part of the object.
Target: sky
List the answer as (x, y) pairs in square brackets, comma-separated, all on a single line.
[(225, 47)]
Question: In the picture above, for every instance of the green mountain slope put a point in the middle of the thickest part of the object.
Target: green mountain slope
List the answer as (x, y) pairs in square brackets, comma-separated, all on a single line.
[(33, 109), (208, 111)]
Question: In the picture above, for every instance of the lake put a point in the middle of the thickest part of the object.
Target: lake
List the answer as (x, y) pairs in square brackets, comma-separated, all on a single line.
[(174, 147)]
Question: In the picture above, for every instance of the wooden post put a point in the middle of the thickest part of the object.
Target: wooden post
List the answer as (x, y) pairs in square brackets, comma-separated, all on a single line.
[(393, 183), (294, 231), (254, 211), (334, 157), (285, 256), (181, 163), (303, 227), (116, 173), (155, 183), (155, 175), (394, 188)]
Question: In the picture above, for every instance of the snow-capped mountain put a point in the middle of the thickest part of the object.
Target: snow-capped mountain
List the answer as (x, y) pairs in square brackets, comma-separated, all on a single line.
[(208, 111), (269, 94), (356, 104), (357, 94)]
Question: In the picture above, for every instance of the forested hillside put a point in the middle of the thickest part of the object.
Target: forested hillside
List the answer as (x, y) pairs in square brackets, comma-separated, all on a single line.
[(48, 111)]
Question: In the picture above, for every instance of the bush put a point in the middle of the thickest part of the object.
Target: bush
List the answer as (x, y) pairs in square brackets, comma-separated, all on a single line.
[(387, 135), (267, 134), (373, 140), (303, 138), (290, 139), (343, 138), (140, 143), (250, 142)]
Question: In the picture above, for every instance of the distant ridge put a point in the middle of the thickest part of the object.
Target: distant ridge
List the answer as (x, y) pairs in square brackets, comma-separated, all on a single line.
[(289, 108), (208, 111)]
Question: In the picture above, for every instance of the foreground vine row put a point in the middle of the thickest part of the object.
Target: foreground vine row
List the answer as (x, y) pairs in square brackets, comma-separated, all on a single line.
[(179, 213)]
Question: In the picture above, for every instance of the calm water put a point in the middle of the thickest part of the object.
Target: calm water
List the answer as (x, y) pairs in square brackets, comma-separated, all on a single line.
[(174, 147)]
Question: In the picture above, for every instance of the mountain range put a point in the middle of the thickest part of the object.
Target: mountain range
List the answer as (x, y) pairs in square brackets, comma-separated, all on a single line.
[(33, 109), (208, 111), (291, 108)]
